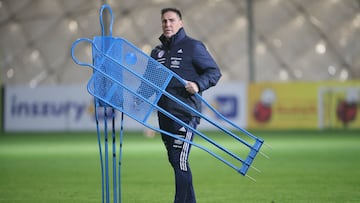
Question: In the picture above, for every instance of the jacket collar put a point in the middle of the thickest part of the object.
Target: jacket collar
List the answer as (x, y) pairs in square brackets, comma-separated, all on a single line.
[(167, 42)]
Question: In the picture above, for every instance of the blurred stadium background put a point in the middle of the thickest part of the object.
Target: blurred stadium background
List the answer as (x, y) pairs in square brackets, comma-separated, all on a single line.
[(294, 40)]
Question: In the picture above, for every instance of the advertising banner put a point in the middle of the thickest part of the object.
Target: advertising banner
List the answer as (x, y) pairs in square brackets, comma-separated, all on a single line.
[(71, 108), (53, 108), (47, 108), (229, 99), (300, 105), (339, 106)]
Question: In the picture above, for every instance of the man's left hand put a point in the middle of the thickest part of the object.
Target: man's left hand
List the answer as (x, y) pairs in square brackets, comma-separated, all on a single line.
[(191, 87)]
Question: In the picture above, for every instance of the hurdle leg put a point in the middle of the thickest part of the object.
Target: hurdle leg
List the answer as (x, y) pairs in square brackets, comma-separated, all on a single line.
[(114, 156), (107, 192), (120, 154), (100, 150)]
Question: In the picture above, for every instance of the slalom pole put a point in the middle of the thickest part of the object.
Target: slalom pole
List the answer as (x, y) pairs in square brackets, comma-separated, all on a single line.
[(114, 156), (106, 156), (100, 149), (120, 154)]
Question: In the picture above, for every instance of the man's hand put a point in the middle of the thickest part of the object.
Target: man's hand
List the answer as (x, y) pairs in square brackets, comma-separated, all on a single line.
[(191, 87)]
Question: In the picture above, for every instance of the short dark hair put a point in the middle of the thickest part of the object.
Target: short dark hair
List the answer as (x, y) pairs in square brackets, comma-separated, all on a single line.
[(177, 11)]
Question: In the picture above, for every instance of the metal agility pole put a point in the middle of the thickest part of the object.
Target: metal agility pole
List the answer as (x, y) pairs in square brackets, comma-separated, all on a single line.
[(104, 154), (132, 82)]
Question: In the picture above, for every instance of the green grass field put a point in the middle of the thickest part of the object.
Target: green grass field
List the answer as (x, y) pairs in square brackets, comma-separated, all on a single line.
[(305, 166)]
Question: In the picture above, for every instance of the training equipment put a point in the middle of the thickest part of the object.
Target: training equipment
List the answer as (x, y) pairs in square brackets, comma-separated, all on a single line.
[(130, 81)]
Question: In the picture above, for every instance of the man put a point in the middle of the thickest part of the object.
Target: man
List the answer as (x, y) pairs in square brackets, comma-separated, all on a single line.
[(189, 59)]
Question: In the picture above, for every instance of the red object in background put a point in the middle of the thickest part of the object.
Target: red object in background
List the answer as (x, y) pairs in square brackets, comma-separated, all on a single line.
[(346, 112), (262, 112)]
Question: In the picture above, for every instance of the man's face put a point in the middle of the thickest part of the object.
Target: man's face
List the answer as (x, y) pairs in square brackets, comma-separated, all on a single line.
[(171, 23)]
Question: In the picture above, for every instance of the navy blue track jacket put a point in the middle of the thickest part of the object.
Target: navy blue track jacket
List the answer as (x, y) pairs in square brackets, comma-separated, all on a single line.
[(189, 59)]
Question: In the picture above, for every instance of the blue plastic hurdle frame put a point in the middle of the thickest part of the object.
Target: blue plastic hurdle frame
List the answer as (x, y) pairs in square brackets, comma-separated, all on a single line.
[(128, 80)]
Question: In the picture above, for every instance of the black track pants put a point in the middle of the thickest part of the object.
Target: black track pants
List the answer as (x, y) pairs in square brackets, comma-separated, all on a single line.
[(178, 154)]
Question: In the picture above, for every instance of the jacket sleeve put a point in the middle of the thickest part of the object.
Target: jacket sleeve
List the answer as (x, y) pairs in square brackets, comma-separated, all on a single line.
[(208, 70)]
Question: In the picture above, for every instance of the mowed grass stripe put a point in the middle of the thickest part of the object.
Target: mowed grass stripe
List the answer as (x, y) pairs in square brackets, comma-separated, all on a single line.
[(64, 167)]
